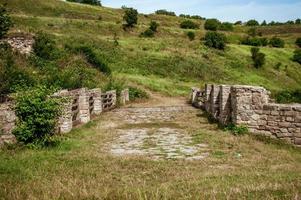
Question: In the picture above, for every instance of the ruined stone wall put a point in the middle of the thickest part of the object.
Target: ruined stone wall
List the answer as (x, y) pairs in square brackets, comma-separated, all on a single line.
[(251, 106), (124, 96), (22, 43), (7, 123), (109, 100)]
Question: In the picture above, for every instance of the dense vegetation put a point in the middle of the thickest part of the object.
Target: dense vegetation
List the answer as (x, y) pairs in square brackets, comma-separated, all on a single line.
[(91, 2)]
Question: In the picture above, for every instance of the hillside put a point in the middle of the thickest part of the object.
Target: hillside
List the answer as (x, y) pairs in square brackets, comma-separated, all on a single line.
[(169, 62)]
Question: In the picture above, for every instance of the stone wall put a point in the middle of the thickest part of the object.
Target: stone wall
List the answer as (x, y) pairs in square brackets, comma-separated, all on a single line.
[(124, 96), (78, 107), (21, 42), (252, 107)]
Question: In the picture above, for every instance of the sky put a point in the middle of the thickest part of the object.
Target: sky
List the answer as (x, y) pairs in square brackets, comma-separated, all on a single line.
[(224, 10)]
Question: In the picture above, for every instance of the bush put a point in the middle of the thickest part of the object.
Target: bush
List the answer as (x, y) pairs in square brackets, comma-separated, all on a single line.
[(37, 115), (252, 22), (131, 17), (277, 42), (136, 93), (298, 42), (238, 23), (237, 130), (288, 96), (255, 41), (93, 59), (257, 57), (297, 56), (215, 40), (191, 35), (188, 24), (226, 26), (212, 24), (44, 46), (147, 33), (165, 12), (91, 2), (153, 26), (5, 21)]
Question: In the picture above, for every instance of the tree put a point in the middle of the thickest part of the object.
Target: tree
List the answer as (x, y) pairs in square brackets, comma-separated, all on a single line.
[(215, 40), (188, 24), (165, 12), (131, 17), (298, 21), (277, 42), (212, 24), (297, 56), (257, 57), (91, 2), (264, 23), (298, 42), (153, 26), (191, 35), (252, 22), (5, 21), (238, 23)]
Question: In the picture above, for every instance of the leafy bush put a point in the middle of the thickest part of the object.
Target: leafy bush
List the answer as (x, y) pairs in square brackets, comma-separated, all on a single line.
[(188, 24), (298, 42), (226, 26), (93, 59), (237, 130), (44, 46), (257, 57), (277, 42), (91, 2), (212, 24), (215, 40), (191, 35), (288, 96), (297, 56), (147, 33), (5, 21), (191, 16), (255, 41), (136, 93), (37, 115), (131, 17), (252, 22), (264, 23), (238, 23), (153, 26), (165, 12)]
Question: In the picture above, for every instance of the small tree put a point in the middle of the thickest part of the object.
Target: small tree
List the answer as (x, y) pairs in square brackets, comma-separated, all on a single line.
[(264, 23), (238, 23), (257, 57), (252, 22), (212, 24), (191, 35), (5, 21), (215, 40), (297, 56), (131, 17), (188, 24), (298, 21), (153, 26), (277, 42), (298, 42)]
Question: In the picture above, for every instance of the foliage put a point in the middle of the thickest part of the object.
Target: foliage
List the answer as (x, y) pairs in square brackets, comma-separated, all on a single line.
[(115, 84), (165, 12), (44, 46), (252, 22), (255, 41), (94, 59), (191, 35), (137, 93), (298, 42), (131, 17), (298, 21), (226, 26), (5, 21), (215, 40), (154, 26), (191, 16), (212, 24), (236, 130), (288, 96), (238, 23), (147, 33), (297, 56), (91, 2), (277, 42), (257, 57), (188, 24), (264, 23), (37, 115)]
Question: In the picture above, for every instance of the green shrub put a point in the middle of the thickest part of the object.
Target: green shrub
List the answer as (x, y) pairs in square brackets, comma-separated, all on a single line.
[(236, 130), (37, 115), (165, 12), (226, 26), (5, 21), (277, 42), (44, 46), (255, 41), (136, 93), (91, 2), (288, 96), (212, 24), (147, 33), (238, 23), (188, 24), (153, 26), (215, 40), (297, 56), (252, 22), (264, 23), (298, 42), (257, 57), (130, 17), (115, 84), (94, 59), (191, 35)]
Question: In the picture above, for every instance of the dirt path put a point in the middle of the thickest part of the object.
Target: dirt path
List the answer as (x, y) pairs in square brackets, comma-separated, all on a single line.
[(161, 128)]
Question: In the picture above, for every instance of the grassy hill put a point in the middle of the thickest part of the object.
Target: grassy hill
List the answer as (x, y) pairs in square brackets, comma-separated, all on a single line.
[(169, 62)]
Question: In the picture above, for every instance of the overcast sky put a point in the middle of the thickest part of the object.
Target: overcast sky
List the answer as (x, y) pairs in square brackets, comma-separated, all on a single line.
[(225, 10)]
